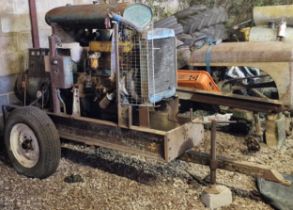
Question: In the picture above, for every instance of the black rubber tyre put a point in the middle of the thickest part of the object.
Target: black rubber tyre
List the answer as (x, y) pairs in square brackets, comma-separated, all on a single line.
[(203, 20), (46, 140)]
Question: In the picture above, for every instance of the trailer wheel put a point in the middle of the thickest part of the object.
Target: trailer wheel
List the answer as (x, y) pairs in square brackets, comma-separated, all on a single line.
[(32, 142)]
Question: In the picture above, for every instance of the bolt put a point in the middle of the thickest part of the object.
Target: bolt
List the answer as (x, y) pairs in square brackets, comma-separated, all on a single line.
[(54, 62)]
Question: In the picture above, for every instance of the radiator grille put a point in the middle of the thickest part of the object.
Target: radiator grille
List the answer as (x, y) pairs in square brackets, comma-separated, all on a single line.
[(148, 72)]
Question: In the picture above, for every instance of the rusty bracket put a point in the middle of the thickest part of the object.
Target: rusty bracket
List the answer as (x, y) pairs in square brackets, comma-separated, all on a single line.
[(213, 158)]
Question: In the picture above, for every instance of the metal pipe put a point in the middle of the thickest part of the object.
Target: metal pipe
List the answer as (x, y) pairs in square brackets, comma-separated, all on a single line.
[(125, 22), (130, 120), (235, 53), (265, 14), (34, 23), (53, 63), (117, 70), (213, 163)]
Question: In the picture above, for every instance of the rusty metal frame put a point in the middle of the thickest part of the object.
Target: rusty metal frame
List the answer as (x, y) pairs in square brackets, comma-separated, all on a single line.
[(161, 145), (235, 101)]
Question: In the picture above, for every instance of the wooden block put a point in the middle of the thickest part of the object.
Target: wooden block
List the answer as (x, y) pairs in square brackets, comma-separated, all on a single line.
[(271, 131)]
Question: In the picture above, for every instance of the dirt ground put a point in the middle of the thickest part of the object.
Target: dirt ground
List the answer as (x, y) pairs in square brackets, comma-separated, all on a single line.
[(111, 180)]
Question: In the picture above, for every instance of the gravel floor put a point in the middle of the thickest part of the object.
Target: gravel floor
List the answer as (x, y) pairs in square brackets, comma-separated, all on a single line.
[(112, 180)]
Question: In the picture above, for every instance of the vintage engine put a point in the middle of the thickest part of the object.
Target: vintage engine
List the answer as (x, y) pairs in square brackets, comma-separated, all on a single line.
[(147, 72), (108, 79), (87, 71)]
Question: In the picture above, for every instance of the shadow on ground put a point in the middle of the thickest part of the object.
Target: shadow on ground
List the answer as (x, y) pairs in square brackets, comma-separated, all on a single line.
[(144, 172), (3, 156), (110, 166)]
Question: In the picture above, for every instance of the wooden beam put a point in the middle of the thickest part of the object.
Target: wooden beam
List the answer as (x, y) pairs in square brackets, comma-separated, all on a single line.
[(244, 167)]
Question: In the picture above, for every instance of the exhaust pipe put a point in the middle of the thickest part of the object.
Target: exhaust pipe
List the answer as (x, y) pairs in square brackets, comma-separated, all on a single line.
[(34, 23)]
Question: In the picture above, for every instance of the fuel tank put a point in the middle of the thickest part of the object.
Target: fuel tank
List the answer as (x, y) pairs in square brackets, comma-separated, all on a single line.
[(83, 16), (264, 15), (264, 34)]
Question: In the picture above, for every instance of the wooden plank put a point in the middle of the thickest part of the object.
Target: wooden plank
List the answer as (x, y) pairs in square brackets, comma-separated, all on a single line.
[(244, 167)]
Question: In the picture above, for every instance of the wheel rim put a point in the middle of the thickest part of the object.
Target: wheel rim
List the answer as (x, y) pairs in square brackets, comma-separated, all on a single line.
[(24, 145)]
